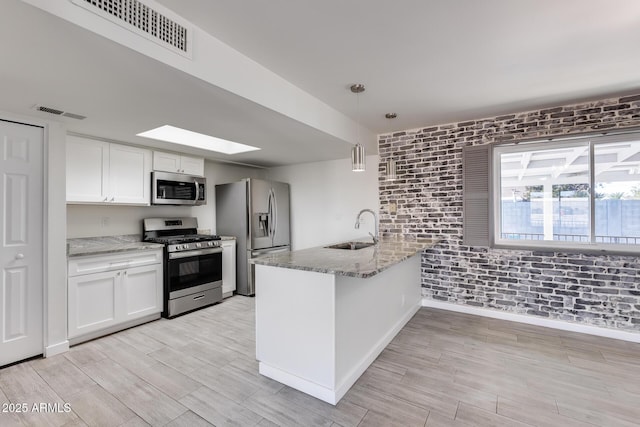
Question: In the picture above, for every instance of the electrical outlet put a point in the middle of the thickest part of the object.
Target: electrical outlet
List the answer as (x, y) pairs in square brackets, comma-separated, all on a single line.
[(104, 221)]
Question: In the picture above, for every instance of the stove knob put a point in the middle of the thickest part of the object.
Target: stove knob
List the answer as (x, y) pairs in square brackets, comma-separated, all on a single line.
[(198, 245), (210, 243), (178, 247)]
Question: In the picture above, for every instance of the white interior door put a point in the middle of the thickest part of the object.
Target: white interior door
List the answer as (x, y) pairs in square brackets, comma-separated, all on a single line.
[(21, 240)]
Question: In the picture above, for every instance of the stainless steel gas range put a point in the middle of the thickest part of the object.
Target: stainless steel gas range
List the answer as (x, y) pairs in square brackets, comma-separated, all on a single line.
[(192, 264)]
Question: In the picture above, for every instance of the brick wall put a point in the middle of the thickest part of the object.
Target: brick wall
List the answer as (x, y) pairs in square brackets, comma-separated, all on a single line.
[(427, 197)]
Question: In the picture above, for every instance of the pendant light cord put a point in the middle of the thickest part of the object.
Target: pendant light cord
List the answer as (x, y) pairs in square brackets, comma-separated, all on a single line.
[(358, 115)]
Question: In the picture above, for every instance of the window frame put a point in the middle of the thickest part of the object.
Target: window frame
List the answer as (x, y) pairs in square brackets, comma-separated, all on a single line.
[(495, 197)]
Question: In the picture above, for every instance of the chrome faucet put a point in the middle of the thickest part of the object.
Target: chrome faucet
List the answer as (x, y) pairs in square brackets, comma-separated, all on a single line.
[(375, 223)]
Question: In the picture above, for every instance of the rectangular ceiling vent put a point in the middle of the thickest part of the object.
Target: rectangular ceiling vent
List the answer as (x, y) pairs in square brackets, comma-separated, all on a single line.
[(58, 112), (144, 20)]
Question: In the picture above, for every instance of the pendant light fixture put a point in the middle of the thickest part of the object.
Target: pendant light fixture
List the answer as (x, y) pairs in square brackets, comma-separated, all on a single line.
[(392, 170), (391, 167), (357, 152)]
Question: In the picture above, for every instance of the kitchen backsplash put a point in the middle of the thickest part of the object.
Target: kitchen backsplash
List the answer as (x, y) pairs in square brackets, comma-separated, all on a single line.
[(426, 201)]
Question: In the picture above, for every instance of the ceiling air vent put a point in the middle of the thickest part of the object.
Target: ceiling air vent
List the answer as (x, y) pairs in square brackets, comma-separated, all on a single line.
[(144, 20), (48, 110), (74, 116), (57, 112)]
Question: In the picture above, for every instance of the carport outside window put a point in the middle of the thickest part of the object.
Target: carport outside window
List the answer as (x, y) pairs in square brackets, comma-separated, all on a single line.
[(574, 194)]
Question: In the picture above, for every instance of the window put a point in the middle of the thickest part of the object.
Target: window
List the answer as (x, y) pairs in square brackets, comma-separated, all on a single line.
[(581, 193)]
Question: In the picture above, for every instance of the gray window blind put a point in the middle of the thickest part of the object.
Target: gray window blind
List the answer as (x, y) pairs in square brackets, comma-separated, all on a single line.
[(475, 184)]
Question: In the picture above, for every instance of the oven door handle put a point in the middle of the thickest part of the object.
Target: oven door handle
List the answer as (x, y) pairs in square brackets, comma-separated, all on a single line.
[(196, 252)]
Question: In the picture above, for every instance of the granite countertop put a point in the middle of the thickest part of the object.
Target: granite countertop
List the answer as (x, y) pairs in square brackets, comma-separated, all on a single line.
[(103, 245), (361, 263)]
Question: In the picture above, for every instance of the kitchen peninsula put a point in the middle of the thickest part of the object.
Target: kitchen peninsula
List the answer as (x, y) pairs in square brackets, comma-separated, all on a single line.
[(323, 315)]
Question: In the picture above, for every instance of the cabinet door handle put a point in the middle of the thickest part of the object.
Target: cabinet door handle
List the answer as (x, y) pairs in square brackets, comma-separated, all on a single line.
[(105, 199), (112, 199), (19, 256)]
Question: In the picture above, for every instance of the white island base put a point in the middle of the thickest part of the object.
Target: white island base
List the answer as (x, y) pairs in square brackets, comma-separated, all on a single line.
[(318, 332)]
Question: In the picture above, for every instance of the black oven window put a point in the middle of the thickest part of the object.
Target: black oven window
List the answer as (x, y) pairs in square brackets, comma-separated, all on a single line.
[(193, 271), (176, 190), (189, 268)]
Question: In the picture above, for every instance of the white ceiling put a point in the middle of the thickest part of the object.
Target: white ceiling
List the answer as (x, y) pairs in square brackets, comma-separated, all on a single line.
[(431, 62)]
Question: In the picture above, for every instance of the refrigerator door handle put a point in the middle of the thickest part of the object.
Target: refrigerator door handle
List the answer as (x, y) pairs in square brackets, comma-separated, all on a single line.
[(249, 213), (275, 214), (271, 215)]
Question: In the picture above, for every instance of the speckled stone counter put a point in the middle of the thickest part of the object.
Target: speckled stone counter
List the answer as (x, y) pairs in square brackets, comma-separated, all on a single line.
[(361, 263), (107, 244)]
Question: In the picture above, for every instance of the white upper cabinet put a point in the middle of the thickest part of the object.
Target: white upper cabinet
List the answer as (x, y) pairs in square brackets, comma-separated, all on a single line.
[(129, 174), (170, 162), (87, 170), (167, 162), (192, 165), (103, 172)]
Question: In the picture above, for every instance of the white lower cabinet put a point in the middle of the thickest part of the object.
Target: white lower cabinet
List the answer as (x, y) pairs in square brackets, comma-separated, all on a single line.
[(142, 289), (111, 292), (92, 302), (228, 267)]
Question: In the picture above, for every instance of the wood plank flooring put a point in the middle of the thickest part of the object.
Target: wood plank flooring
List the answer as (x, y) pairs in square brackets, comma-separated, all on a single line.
[(443, 369)]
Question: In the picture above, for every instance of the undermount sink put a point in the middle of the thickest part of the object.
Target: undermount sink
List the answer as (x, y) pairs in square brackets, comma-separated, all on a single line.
[(351, 245)]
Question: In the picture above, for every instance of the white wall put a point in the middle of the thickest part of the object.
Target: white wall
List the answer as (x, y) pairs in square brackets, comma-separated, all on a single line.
[(56, 256), (325, 199), (100, 220)]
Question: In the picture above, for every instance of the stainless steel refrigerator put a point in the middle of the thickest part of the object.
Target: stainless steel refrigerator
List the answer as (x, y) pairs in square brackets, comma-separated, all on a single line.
[(256, 212)]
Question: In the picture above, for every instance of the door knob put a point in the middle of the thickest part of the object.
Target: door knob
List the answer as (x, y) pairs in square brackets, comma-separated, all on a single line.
[(19, 256)]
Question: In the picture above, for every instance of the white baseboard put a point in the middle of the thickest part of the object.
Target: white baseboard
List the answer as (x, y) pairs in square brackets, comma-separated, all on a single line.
[(316, 390), (54, 349), (533, 320)]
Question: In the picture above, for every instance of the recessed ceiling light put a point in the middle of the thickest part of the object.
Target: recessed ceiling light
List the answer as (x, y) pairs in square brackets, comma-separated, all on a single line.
[(194, 139), (391, 115)]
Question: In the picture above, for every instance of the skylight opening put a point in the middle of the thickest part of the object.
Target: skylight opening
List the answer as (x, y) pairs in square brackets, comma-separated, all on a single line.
[(189, 138)]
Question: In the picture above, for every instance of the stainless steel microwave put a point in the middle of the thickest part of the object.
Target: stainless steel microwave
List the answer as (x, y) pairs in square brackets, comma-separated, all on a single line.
[(178, 189)]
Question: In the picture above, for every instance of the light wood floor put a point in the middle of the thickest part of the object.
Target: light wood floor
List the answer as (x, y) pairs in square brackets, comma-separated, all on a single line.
[(443, 369)]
